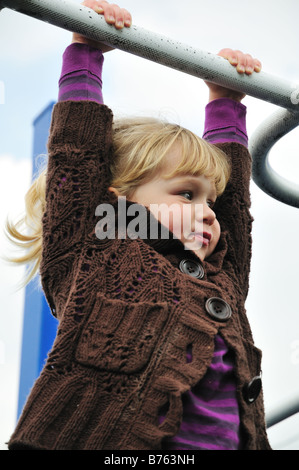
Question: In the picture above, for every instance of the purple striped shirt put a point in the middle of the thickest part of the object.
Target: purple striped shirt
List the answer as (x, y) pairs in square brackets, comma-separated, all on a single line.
[(225, 121), (81, 76), (210, 410)]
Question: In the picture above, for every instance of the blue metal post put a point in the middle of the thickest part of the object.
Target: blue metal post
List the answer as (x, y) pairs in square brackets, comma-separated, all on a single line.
[(39, 326)]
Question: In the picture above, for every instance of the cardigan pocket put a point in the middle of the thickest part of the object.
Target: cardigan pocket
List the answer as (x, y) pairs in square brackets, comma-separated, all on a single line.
[(121, 336)]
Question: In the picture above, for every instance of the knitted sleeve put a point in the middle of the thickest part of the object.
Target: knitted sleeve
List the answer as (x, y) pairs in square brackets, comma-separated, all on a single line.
[(233, 212), (225, 126), (78, 177)]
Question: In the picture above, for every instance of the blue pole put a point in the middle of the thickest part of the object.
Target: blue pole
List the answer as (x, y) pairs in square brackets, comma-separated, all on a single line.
[(39, 326)]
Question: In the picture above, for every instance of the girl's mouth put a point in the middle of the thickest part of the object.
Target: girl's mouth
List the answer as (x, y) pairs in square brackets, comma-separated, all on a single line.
[(202, 238)]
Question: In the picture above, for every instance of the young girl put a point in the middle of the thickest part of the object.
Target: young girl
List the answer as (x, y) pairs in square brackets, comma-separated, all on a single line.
[(154, 349)]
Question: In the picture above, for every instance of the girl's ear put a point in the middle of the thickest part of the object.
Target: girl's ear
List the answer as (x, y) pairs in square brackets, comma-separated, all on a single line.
[(114, 190)]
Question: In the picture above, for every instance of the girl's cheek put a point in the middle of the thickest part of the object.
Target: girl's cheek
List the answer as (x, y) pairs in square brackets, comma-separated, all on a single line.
[(180, 222), (170, 217)]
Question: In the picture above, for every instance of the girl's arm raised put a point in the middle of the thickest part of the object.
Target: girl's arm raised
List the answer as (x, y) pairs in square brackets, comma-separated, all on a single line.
[(81, 76), (78, 172), (225, 125), (225, 114)]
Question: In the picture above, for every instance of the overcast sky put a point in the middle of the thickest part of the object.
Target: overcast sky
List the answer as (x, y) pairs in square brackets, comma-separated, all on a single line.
[(30, 62)]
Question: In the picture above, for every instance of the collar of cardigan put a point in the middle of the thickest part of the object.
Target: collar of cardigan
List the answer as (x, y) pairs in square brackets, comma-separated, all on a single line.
[(173, 249)]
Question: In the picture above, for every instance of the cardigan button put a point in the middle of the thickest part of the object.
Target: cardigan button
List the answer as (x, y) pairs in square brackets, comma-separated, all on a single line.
[(218, 309), (192, 267), (252, 390)]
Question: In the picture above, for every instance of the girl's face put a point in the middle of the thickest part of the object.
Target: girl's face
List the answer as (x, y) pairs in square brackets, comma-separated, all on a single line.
[(184, 204)]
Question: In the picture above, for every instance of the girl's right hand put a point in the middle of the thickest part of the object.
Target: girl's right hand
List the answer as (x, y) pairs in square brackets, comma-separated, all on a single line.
[(244, 63), (114, 15)]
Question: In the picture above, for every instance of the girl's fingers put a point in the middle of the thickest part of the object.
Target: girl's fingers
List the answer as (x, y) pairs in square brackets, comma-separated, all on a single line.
[(122, 17), (252, 65), (113, 14), (257, 65), (127, 18), (247, 64), (230, 55), (96, 5), (108, 12), (244, 63)]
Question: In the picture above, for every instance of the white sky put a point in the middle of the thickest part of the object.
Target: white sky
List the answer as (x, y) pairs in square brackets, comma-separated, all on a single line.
[(30, 61)]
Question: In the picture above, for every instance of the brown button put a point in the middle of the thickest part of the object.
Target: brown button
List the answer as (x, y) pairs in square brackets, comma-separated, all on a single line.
[(252, 390), (192, 267), (218, 309)]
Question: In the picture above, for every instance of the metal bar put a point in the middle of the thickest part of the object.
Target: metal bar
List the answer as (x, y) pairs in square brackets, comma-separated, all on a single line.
[(165, 51), (283, 413), (261, 142), (135, 40)]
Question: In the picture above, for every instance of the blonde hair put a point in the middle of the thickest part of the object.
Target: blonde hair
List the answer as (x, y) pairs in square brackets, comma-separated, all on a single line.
[(139, 146), (26, 233)]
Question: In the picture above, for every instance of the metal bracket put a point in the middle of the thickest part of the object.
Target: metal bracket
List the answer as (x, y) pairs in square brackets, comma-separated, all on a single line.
[(262, 141)]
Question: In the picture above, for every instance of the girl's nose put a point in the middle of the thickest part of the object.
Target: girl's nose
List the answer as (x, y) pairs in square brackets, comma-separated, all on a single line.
[(206, 214), (209, 215)]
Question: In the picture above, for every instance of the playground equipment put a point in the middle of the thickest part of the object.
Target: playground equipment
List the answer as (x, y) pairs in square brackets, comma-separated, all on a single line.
[(165, 51), (74, 17)]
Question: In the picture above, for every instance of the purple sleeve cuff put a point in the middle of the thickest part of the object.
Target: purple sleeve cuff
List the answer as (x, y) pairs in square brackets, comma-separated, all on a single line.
[(81, 75), (225, 122)]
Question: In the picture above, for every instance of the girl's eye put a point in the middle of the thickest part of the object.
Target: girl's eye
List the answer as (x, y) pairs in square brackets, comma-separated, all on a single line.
[(210, 203), (187, 194)]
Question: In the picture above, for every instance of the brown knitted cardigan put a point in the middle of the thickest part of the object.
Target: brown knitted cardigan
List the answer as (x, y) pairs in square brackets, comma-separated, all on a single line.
[(127, 313)]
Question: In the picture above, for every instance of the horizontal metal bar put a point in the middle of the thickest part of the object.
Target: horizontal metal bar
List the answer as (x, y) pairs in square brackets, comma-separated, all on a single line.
[(138, 41), (210, 67)]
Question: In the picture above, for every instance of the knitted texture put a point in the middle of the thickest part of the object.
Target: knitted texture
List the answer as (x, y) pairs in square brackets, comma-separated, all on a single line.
[(127, 314)]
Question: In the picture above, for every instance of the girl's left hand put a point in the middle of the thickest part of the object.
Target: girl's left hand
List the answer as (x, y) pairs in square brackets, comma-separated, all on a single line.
[(113, 14), (244, 63)]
